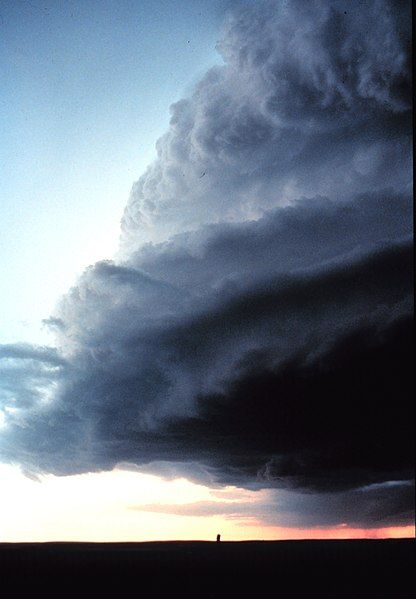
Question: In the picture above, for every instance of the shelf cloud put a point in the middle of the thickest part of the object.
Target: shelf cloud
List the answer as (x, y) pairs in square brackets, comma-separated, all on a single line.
[(255, 327)]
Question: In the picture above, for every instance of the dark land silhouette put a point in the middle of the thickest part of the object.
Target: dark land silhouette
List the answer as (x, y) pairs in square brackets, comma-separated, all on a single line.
[(358, 568)]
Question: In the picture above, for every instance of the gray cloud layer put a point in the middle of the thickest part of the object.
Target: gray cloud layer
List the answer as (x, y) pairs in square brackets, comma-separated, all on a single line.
[(368, 507), (255, 328)]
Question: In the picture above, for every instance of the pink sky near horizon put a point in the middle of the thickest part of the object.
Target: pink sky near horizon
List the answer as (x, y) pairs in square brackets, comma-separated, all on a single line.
[(346, 532)]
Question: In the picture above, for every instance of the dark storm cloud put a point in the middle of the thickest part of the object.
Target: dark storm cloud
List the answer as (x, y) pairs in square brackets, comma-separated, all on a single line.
[(24, 351), (305, 235), (263, 337), (313, 99), (229, 376), (333, 422)]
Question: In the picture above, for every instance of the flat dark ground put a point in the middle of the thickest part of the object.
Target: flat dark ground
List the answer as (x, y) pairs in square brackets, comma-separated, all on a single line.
[(202, 569)]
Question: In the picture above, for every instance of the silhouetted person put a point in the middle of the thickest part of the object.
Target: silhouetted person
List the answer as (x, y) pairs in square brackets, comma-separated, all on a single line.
[(218, 538)]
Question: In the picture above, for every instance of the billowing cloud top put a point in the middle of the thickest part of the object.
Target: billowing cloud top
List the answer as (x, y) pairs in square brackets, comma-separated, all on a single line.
[(254, 328), (313, 99)]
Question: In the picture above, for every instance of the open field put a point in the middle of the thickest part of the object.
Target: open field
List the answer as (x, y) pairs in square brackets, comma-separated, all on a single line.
[(203, 569)]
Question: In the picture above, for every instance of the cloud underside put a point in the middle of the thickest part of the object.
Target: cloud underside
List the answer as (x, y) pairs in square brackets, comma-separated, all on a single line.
[(255, 329), (303, 380), (375, 506)]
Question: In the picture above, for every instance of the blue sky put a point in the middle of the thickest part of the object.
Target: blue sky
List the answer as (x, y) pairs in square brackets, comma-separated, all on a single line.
[(86, 90)]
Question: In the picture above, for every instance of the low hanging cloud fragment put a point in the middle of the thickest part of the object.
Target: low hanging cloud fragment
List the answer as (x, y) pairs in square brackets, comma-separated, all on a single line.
[(255, 328), (368, 507)]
